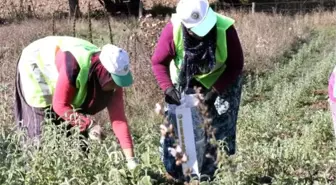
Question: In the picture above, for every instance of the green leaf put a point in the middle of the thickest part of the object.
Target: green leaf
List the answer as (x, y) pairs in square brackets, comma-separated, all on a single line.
[(204, 183), (145, 158), (146, 180), (123, 172)]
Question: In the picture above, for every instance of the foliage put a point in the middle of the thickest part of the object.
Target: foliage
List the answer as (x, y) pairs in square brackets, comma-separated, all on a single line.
[(285, 134)]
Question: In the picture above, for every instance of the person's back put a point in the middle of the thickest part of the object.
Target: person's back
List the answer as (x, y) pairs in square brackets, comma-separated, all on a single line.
[(38, 68), (56, 74)]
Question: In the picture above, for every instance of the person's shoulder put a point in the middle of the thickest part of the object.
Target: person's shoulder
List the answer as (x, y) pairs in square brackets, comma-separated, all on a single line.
[(226, 22), (166, 34), (223, 19), (67, 62), (168, 28)]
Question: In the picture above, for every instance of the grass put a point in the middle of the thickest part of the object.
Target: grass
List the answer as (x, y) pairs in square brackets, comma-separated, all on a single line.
[(282, 138), (40, 8), (285, 134)]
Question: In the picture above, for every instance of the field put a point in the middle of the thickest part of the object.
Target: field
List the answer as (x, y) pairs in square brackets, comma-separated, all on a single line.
[(285, 133), (43, 7)]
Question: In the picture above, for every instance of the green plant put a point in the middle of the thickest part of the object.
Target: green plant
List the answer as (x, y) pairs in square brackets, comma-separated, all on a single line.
[(285, 134)]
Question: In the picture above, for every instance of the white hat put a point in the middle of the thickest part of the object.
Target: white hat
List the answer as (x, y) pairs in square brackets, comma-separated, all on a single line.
[(116, 61), (196, 15)]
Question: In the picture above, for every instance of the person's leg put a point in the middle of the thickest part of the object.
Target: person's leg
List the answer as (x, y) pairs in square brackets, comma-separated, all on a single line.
[(166, 142), (225, 121), (224, 113), (166, 157), (26, 117)]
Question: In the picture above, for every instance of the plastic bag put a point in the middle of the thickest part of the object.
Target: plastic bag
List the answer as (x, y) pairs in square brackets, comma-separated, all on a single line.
[(189, 108)]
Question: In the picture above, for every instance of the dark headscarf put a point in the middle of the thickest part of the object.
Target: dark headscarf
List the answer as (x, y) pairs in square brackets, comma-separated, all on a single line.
[(199, 56), (97, 99)]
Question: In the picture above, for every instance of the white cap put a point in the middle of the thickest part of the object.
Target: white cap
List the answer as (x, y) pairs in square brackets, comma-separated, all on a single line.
[(196, 15), (116, 61)]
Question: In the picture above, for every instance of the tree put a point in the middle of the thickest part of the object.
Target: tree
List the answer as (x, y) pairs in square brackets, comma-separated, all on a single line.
[(234, 3), (74, 8), (121, 6)]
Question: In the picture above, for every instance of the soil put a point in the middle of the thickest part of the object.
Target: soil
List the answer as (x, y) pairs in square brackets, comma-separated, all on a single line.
[(319, 105), (320, 92)]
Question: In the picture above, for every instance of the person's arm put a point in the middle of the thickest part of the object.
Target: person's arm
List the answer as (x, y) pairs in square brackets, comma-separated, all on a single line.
[(119, 122), (65, 90), (234, 62), (162, 56)]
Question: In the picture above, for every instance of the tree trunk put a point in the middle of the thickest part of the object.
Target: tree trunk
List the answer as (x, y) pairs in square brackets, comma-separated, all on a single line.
[(115, 6), (74, 8)]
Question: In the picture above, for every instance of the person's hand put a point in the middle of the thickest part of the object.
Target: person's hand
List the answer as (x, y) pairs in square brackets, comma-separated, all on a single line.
[(172, 96), (96, 132), (210, 97), (132, 163)]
